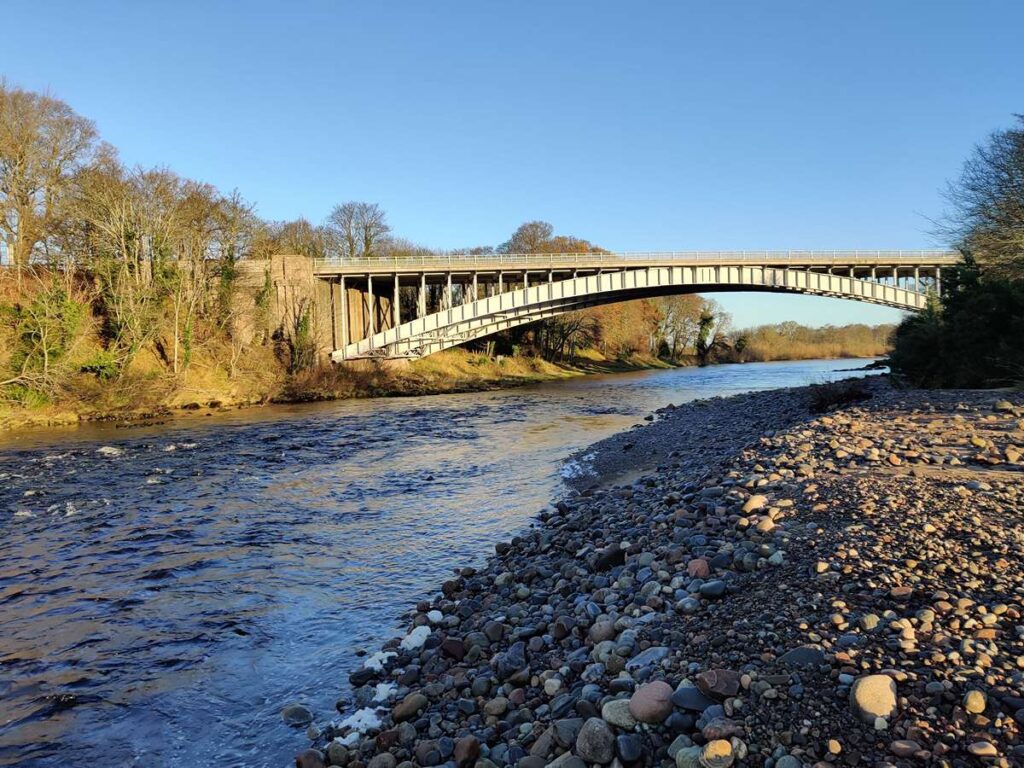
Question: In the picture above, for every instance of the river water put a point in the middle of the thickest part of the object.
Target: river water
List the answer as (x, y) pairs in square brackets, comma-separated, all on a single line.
[(165, 590)]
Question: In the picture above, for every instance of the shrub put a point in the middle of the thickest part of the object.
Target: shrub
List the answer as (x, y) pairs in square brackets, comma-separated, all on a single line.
[(973, 340), (836, 394), (103, 365)]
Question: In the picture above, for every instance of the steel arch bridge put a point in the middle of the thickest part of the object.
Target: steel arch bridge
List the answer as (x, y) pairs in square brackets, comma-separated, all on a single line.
[(408, 308)]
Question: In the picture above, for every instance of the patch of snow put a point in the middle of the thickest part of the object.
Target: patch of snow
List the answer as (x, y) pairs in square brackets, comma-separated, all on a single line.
[(378, 660), (416, 638), (361, 720), (384, 691)]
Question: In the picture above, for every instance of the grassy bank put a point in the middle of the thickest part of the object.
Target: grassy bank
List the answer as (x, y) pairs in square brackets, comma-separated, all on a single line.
[(209, 387)]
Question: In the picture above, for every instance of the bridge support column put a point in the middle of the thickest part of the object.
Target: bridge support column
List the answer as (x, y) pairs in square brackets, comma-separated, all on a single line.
[(396, 312), (938, 281), (917, 279), (448, 293), (372, 309), (421, 297), (501, 283), (476, 288), (526, 279), (339, 314), (896, 277)]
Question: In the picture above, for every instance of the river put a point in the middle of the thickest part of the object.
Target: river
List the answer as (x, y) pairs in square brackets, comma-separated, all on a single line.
[(166, 590)]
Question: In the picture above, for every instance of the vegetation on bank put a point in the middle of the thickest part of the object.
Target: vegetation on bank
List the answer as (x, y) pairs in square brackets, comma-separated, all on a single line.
[(121, 292), (974, 335)]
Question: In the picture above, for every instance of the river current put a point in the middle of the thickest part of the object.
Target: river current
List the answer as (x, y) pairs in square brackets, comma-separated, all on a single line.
[(166, 590)]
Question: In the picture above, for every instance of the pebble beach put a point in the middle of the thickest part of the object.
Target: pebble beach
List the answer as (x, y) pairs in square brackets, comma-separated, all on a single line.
[(777, 588)]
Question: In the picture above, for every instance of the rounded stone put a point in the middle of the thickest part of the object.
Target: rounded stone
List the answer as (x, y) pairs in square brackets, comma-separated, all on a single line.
[(975, 702), (652, 702), (982, 749), (904, 747), (596, 742), (617, 713), (688, 757), (717, 754), (409, 707), (873, 696)]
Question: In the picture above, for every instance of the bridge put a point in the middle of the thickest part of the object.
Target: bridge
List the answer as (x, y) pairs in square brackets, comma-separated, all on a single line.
[(406, 308)]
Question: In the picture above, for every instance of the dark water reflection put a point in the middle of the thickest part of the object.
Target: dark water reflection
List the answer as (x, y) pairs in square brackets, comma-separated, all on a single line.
[(164, 591)]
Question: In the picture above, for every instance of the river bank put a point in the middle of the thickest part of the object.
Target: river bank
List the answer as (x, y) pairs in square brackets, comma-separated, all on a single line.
[(784, 589), (448, 372)]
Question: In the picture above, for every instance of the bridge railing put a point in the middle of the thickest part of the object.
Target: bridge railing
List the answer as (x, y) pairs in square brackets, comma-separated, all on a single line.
[(548, 260)]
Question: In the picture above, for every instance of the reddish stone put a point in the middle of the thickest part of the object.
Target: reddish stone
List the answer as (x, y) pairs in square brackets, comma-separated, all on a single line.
[(698, 568)]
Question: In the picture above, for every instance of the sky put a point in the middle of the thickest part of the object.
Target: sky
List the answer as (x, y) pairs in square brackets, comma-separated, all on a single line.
[(638, 126)]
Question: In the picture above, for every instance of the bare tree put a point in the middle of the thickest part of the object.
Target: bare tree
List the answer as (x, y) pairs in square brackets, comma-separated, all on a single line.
[(43, 144), (987, 220), (356, 230)]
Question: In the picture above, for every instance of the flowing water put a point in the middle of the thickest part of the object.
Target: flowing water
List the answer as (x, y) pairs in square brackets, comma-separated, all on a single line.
[(165, 590)]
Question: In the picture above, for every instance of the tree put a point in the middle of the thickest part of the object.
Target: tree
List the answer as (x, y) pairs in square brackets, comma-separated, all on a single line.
[(43, 145), (531, 237), (298, 237), (355, 230), (680, 322), (988, 204), (712, 330)]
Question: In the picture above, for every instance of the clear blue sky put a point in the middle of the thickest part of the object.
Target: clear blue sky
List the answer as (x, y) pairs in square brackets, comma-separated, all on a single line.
[(639, 126)]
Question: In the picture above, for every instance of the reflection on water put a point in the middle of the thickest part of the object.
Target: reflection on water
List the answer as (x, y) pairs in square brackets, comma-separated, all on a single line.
[(164, 591)]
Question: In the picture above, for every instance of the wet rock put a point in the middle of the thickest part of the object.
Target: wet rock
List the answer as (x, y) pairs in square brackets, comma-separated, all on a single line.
[(297, 715), (311, 758)]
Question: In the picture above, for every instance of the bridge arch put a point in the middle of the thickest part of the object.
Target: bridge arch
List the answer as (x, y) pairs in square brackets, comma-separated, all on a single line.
[(459, 323)]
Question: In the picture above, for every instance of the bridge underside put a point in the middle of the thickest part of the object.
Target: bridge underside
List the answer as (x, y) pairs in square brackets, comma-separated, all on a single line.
[(411, 315)]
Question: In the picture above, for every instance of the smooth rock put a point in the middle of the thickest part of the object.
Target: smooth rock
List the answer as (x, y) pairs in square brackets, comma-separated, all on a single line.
[(873, 696), (652, 702)]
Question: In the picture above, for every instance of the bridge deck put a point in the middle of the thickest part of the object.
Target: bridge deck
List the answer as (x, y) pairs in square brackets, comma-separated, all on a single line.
[(559, 261)]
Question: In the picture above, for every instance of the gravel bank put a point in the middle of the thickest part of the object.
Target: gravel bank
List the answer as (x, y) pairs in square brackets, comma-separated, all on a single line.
[(783, 590)]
